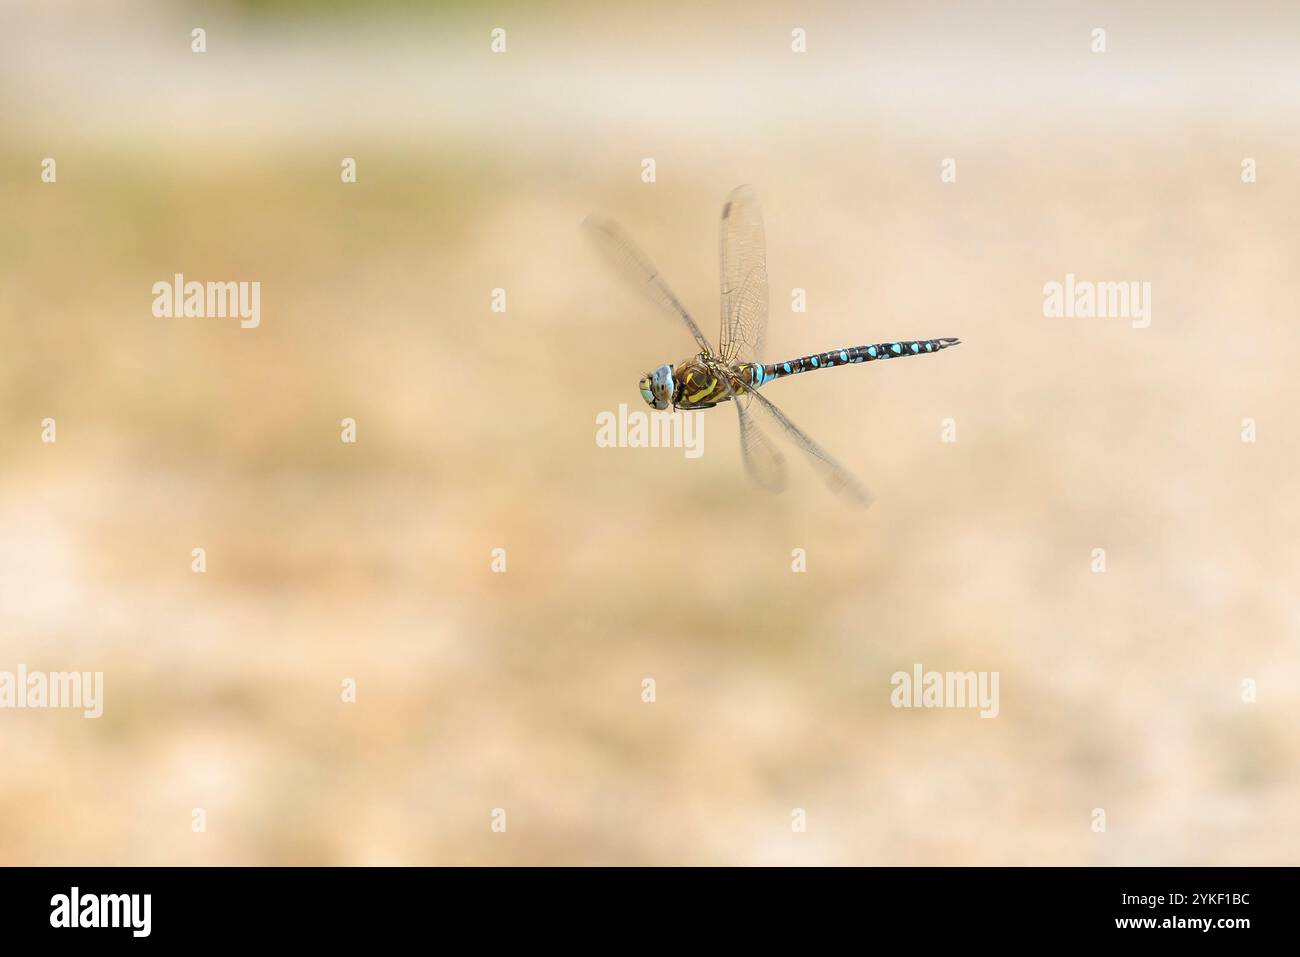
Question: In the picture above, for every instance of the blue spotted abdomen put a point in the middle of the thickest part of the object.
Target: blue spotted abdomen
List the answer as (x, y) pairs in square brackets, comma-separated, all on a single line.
[(843, 357)]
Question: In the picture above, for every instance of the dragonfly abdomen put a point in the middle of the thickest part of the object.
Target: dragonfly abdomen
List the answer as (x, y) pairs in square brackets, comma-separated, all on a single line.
[(850, 356)]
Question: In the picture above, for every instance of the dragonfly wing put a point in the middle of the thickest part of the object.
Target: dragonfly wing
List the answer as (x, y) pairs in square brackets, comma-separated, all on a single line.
[(742, 250), (763, 460), (624, 255), (838, 478)]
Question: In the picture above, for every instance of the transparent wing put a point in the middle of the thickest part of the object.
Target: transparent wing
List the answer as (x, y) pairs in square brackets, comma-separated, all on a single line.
[(838, 478), (743, 254), (763, 460), (634, 265)]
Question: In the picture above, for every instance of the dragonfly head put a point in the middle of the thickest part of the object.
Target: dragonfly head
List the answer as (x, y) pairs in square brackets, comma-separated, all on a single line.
[(658, 387)]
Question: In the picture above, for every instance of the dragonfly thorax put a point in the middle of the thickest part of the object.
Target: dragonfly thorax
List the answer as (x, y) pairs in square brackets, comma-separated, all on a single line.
[(659, 388)]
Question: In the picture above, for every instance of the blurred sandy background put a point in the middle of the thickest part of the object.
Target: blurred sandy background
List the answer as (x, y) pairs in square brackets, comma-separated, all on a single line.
[(476, 430)]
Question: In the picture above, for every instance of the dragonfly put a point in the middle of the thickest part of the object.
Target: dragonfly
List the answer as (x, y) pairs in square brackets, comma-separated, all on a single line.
[(735, 371)]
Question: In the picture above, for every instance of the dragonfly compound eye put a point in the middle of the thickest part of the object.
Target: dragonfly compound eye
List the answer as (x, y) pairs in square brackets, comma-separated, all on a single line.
[(662, 387)]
